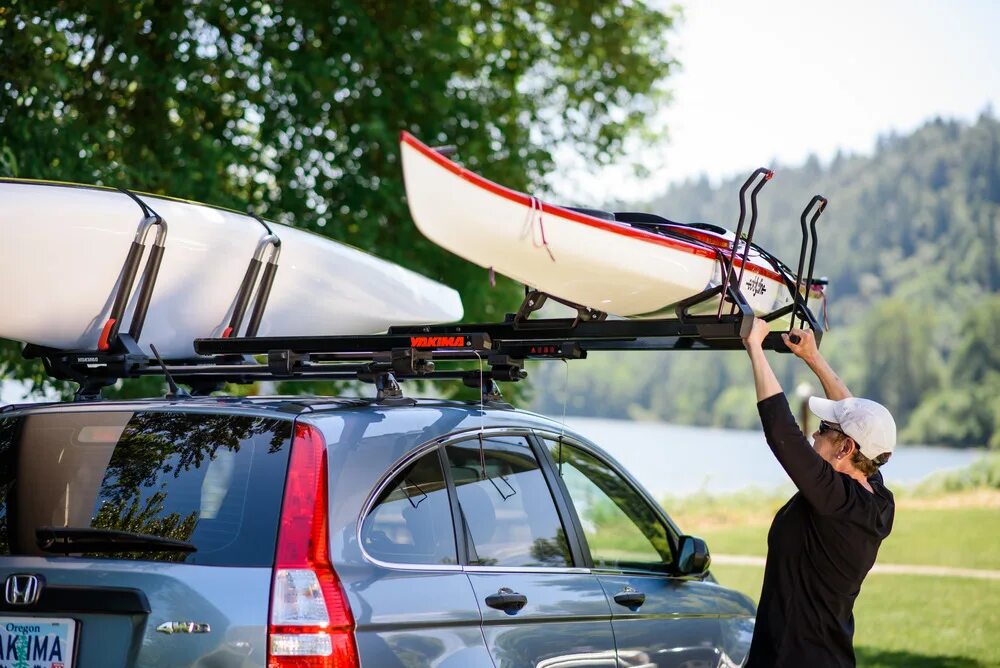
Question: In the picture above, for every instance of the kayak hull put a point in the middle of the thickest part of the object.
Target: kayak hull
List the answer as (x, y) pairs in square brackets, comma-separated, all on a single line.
[(605, 265), (64, 247)]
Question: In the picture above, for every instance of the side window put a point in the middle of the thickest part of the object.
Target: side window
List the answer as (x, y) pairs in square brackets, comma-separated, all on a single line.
[(622, 530), (411, 521), (509, 517)]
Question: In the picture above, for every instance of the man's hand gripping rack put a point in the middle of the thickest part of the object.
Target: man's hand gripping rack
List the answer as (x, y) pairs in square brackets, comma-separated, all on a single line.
[(500, 349)]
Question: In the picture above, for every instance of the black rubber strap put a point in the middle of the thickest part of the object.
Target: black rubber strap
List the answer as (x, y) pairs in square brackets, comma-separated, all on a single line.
[(147, 211), (264, 223)]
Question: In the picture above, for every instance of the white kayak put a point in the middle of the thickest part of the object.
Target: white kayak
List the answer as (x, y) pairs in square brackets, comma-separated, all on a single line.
[(587, 260), (62, 249)]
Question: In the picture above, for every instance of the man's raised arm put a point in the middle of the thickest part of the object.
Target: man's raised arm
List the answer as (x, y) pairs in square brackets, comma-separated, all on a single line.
[(807, 350)]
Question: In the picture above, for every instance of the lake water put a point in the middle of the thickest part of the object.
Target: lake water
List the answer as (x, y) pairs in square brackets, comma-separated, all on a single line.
[(678, 460)]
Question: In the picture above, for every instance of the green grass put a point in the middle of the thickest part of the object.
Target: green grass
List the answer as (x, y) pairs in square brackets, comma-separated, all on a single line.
[(912, 621), (956, 537), (959, 537), (902, 621), (925, 532)]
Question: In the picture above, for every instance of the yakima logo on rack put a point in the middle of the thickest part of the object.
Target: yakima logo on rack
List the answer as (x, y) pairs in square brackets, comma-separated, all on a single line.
[(437, 341)]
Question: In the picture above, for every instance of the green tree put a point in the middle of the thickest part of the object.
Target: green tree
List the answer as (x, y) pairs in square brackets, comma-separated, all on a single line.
[(898, 357), (293, 108), (966, 411)]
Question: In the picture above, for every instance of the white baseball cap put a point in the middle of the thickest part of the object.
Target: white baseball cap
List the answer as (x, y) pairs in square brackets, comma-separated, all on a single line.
[(869, 423)]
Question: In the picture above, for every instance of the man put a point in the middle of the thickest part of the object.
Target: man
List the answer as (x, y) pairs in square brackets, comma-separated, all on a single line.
[(824, 541)]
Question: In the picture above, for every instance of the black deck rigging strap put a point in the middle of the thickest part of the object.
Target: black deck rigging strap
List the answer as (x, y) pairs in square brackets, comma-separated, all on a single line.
[(147, 211)]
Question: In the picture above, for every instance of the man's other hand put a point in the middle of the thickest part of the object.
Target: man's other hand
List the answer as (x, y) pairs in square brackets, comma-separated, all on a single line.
[(806, 346)]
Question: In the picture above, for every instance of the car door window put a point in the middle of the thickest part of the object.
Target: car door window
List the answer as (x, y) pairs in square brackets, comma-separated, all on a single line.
[(509, 516), (622, 530), (411, 522)]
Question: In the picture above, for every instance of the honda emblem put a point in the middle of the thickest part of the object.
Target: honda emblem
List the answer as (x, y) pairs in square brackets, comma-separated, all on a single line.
[(23, 589)]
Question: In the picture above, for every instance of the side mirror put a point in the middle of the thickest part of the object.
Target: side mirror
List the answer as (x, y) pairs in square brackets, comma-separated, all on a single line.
[(692, 556)]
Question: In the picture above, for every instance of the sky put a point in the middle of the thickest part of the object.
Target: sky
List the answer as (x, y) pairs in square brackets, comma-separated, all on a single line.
[(781, 80)]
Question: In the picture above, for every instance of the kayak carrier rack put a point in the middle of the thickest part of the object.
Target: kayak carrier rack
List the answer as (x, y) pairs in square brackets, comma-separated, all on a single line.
[(118, 354), (498, 350), (110, 331), (269, 241), (492, 352)]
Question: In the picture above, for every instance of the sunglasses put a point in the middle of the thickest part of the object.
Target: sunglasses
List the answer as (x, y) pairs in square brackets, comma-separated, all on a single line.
[(825, 426)]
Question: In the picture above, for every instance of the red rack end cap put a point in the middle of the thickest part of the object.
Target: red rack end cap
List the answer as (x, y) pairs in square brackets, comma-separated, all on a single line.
[(226, 332), (103, 343)]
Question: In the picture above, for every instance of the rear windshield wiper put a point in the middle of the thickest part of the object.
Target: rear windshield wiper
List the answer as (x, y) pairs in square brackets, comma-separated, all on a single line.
[(68, 540)]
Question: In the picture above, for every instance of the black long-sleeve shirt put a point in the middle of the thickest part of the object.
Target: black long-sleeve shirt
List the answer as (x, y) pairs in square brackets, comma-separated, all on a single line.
[(821, 545)]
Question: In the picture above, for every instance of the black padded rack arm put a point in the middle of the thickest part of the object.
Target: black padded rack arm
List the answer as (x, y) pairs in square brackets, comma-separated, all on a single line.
[(266, 281), (819, 203), (268, 241), (264, 290), (109, 332), (812, 251), (764, 175), (767, 176), (798, 282)]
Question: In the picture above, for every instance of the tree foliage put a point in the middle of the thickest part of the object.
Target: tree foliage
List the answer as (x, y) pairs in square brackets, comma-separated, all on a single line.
[(293, 108)]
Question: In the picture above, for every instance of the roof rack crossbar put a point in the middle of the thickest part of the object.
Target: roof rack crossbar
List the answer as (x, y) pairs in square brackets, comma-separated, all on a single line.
[(421, 338), (404, 352)]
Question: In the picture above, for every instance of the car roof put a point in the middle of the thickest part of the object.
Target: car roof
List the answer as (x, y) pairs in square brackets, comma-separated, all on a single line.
[(292, 405)]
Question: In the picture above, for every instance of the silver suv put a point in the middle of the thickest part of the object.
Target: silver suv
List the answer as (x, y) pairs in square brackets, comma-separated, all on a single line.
[(231, 532)]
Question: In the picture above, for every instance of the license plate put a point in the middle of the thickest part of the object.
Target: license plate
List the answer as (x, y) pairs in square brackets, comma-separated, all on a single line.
[(37, 642)]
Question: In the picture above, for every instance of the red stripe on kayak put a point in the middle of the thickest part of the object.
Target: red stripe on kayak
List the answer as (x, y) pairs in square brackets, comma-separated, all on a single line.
[(616, 228), (706, 237)]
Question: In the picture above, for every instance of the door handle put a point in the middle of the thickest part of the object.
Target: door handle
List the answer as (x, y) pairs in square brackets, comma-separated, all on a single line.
[(507, 600), (630, 598)]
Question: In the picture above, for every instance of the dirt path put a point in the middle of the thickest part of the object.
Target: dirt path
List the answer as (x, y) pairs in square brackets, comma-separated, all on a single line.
[(892, 569)]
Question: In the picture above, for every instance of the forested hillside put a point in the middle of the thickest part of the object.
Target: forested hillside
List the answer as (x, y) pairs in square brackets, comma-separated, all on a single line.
[(910, 245)]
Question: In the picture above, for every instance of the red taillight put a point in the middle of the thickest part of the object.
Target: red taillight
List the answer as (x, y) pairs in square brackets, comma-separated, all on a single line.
[(311, 625)]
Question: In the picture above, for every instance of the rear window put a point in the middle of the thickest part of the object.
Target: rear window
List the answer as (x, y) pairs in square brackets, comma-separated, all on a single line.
[(214, 481)]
